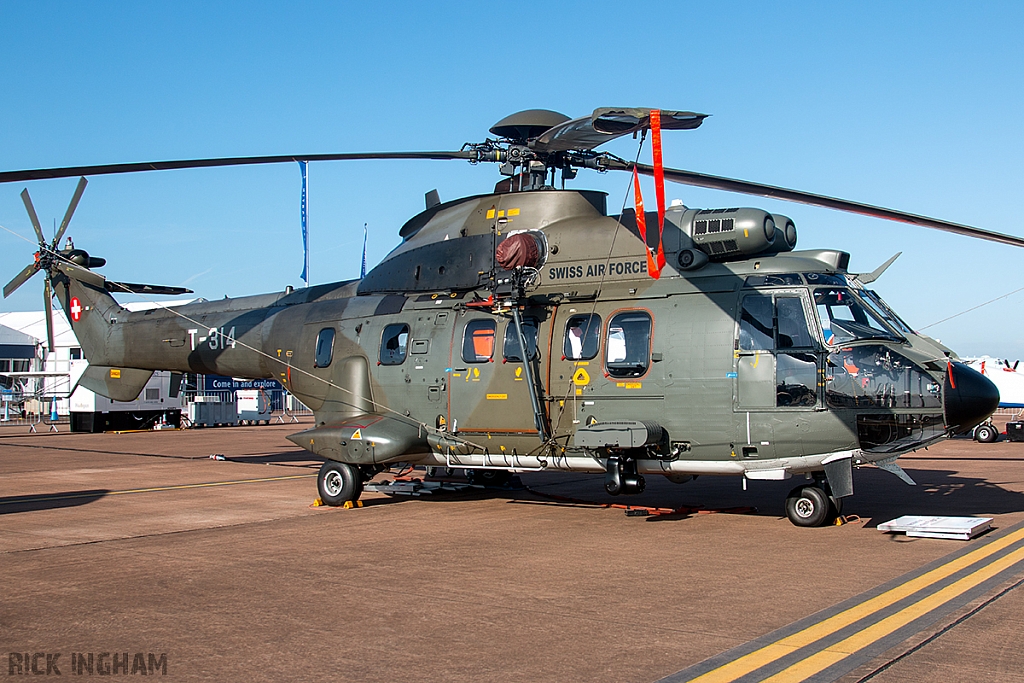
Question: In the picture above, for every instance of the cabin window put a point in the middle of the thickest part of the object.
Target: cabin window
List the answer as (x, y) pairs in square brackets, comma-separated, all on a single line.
[(76, 353), (511, 346), (582, 337), (629, 344), (393, 344), (324, 348), (478, 341)]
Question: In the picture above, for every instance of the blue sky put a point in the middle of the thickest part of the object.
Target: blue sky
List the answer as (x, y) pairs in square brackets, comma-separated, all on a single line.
[(913, 105)]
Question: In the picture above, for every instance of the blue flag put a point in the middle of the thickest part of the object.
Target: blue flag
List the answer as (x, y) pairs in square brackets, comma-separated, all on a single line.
[(362, 271), (305, 232)]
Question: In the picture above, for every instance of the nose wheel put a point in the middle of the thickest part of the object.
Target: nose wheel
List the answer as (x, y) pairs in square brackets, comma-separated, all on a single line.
[(809, 506)]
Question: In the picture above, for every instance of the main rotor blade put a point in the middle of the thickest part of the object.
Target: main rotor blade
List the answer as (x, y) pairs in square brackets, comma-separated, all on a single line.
[(72, 171), (760, 190), (20, 279), (82, 182), (588, 132), (32, 215), (48, 311)]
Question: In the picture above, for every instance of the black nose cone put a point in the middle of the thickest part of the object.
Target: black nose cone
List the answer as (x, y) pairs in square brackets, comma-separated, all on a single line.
[(969, 397)]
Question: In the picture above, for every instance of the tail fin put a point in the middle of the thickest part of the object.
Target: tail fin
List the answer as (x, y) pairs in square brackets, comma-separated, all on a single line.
[(92, 313)]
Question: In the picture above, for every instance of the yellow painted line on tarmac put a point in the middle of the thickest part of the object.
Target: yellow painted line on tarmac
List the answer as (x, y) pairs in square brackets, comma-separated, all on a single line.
[(770, 653), (820, 661), (153, 489)]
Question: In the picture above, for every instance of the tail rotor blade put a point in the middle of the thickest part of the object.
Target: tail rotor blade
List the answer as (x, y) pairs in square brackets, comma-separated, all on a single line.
[(48, 310), (32, 215), (82, 182), (20, 279)]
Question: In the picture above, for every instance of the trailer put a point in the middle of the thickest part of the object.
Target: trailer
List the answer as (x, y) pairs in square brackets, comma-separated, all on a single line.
[(159, 404)]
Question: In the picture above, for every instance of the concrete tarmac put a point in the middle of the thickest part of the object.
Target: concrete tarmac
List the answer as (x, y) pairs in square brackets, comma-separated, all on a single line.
[(142, 544)]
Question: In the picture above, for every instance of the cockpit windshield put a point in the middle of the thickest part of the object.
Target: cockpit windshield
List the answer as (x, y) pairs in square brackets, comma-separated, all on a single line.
[(844, 318), (882, 309)]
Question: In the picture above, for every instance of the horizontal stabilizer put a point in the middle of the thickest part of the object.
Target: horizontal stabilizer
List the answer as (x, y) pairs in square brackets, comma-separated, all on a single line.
[(119, 384), (135, 288)]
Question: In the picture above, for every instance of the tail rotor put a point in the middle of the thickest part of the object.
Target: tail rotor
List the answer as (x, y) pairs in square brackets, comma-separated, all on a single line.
[(49, 258)]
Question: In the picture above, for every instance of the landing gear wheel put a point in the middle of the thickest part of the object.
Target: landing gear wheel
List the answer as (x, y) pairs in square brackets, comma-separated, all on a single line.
[(808, 506), (986, 433), (339, 483), (495, 478)]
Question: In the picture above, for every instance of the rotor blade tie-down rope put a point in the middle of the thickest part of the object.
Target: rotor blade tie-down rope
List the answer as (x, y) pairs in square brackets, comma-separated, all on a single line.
[(654, 266)]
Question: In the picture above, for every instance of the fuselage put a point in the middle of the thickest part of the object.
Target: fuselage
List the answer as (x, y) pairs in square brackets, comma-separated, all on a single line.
[(764, 366)]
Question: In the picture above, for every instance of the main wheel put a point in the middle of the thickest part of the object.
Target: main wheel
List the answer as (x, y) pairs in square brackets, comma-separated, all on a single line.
[(986, 433), (338, 483), (808, 506)]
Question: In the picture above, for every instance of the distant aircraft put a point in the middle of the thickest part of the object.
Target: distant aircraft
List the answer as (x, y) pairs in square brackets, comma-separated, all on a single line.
[(1010, 383)]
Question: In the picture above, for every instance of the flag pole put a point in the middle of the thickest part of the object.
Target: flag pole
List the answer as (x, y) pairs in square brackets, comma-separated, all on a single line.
[(304, 212)]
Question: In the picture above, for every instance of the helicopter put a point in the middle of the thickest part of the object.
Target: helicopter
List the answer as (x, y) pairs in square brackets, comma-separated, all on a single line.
[(527, 329)]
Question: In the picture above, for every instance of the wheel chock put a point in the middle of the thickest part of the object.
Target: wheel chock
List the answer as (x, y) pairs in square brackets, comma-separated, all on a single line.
[(317, 503), (349, 504)]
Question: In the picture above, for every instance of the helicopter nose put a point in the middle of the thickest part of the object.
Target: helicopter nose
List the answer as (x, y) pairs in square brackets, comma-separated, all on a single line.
[(969, 397)]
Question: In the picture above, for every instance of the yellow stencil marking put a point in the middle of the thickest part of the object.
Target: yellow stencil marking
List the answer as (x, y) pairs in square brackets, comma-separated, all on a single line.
[(358, 434), (115, 373)]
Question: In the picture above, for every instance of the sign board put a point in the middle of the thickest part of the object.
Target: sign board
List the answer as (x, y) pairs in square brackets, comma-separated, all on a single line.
[(218, 383)]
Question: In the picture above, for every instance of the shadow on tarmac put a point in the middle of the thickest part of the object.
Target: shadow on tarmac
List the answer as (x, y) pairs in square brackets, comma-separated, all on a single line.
[(49, 501), (878, 496)]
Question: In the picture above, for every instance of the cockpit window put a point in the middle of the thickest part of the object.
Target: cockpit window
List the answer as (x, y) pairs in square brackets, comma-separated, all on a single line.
[(845, 319), (829, 279), (757, 324), (792, 324), (773, 280)]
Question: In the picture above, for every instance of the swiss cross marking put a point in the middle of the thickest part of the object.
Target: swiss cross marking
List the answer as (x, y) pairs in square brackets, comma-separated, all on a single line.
[(76, 309)]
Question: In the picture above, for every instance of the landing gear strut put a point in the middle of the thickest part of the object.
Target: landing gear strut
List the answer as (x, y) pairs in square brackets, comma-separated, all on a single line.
[(339, 483)]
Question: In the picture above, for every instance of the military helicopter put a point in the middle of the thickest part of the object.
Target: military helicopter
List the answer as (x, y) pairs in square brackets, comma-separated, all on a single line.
[(524, 330)]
